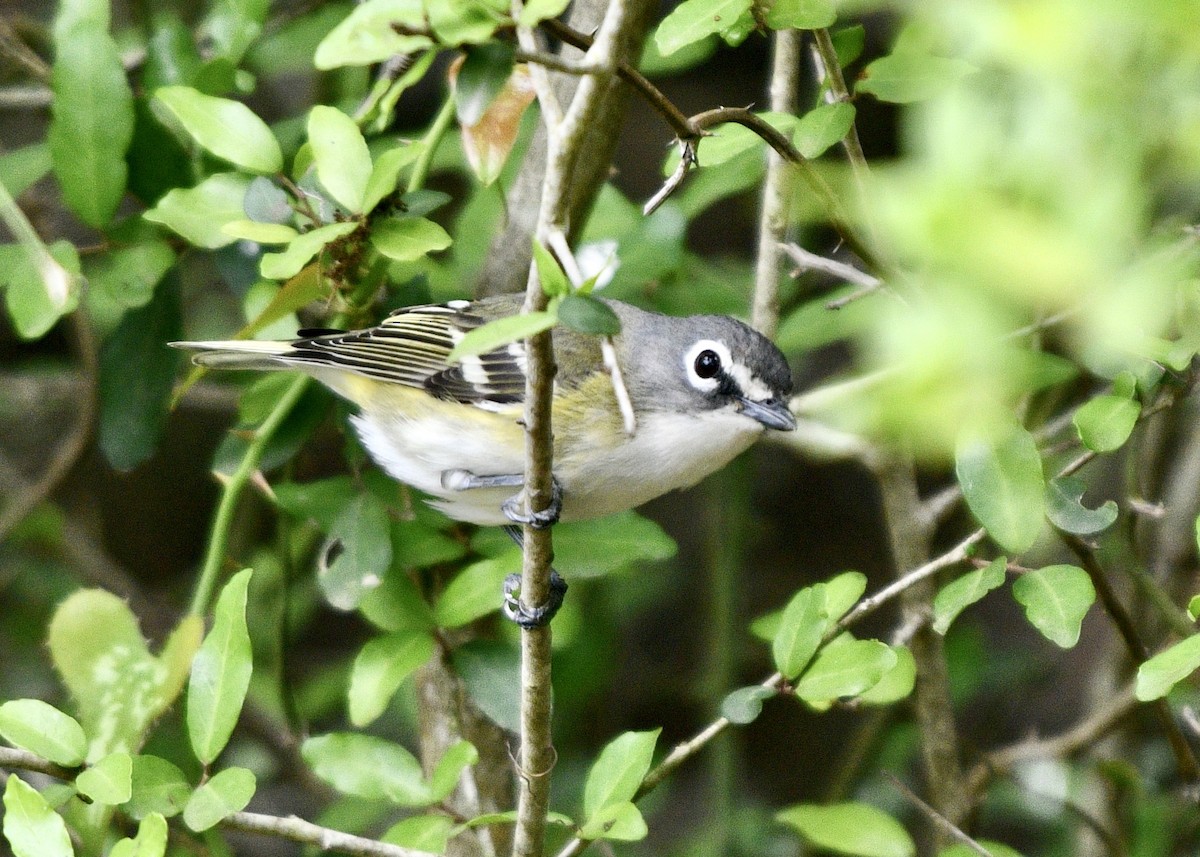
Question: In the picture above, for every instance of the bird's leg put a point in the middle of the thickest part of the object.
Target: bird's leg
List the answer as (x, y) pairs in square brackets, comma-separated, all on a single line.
[(465, 480), (531, 617)]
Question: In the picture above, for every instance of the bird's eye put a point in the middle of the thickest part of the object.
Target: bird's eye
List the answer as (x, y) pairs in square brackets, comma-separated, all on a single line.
[(707, 364)]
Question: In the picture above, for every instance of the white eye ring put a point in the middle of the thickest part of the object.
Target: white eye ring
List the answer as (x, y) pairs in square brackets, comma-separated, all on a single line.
[(706, 385)]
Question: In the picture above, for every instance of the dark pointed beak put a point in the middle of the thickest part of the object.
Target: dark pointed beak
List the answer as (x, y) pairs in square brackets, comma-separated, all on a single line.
[(773, 413)]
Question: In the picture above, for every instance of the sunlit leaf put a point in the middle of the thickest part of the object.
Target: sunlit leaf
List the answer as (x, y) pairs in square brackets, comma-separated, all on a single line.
[(801, 628), (1002, 481), (896, 683), (380, 667), (846, 667), (385, 173), (475, 591), (93, 119), (619, 770), (428, 833), (368, 767), (226, 792), (1156, 676), (822, 127), (850, 828), (407, 239), (31, 827), (288, 262), (158, 786), (1055, 599), (340, 154), (151, 839), (42, 729), (227, 128), (108, 781), (801, 14), (960, 594), (199, 213), (692, 20), (500, 332), (39, 291), (220, 673), (1105, 422), (367, 35)]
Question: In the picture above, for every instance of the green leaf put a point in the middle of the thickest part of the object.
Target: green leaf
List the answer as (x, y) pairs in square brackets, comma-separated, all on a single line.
[(385, 173), (1065, 511), (958, 595), (93, 119), (380, 667), (198, 213), (260, 233), (995, 849), (227, 792), (446, 773), (220, 673), (408, 239), (128, 275), (743, 705), (21, 168), (226, 128), (32, 828), (1002, 482), (287, 263), (895, 684), (429, 833), (850, 828), (801, 15), (822, 127), (492, 674), (501, 332), (551, 276), (801, 628), (613, 543), (39, 291), (480, 79), (109, 781), (158, 787), (910, 75), (233, 25), (536, 11), (692, 20), (42, 729), (340, 155), (466, 23), (848, 43), (1194, 608), (842, 592), (619, 770), (475, 591), (137, 375), (368, 36), (1055, 599), (846, 667), (362, 554), (621, 822), (151, 840), (1157, 675), (588, 315), (368, 767), (1105, 422), (119, 686)]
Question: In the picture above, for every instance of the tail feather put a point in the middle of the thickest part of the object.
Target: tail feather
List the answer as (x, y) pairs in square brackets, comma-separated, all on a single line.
[(239, 354)]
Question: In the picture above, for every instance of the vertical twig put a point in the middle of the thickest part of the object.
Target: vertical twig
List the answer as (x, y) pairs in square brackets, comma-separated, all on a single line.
[(772, 224), (565, 138)]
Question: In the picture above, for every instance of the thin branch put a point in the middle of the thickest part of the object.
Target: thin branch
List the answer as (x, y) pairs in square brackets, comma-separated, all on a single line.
[(776, 194), (554, 62), (565, 131), (298, 830), (830, 70), (936, 817), (22, 760), (806, 261)]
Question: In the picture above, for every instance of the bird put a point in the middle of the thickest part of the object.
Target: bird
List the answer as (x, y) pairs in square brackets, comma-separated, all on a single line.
[(702, 389)]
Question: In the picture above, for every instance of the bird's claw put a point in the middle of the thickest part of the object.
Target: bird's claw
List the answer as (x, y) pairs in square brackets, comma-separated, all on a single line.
[(540, 519), (533, 617)]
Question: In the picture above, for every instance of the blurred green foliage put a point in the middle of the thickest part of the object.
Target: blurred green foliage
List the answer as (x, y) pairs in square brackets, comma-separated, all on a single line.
[(1034, 310)]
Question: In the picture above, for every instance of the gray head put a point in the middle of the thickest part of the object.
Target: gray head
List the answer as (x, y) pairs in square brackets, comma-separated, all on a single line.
[(704, 363)]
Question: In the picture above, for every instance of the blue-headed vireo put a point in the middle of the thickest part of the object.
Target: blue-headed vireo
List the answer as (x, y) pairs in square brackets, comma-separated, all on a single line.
[(702, 389)]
